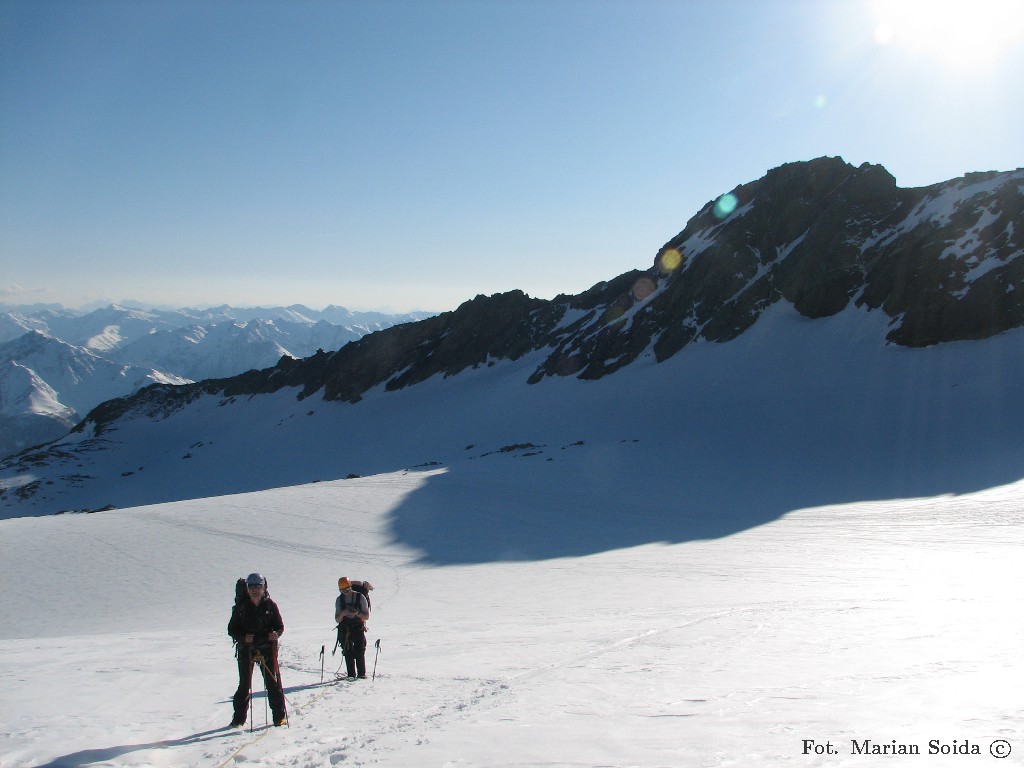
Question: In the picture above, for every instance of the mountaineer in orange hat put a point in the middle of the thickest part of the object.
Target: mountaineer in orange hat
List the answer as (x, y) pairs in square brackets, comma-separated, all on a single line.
[(351, 610)]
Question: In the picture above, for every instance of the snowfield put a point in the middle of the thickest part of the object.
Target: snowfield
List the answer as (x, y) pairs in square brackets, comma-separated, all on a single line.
[(738, 576), (888, 620)]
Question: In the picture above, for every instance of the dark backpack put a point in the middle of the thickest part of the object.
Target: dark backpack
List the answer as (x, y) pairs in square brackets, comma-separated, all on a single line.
[(241, 593), (363, 588)]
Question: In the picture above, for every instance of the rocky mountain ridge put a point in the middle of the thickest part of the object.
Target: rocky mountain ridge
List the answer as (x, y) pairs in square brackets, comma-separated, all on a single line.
[(943, 263)]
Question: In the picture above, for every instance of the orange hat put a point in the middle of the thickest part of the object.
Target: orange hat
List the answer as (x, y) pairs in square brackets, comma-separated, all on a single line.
[(344, 583)]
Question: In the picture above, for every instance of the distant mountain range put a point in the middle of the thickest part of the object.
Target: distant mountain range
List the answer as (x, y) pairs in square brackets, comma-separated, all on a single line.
[(912, 270), (56, 364)]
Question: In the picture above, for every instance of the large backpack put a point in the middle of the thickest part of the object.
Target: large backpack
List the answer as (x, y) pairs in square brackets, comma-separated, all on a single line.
[(363, 588), (241, 593)]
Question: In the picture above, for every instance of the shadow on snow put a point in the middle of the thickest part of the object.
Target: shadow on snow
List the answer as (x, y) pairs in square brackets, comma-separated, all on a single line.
[(103, 754), (735, 466)]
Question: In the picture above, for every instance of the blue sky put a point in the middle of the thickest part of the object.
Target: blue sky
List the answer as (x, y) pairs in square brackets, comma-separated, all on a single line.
[(411, 155)]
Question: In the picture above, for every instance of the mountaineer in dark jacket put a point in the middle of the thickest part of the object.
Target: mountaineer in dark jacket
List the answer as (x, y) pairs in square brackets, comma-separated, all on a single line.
[(256, 625)]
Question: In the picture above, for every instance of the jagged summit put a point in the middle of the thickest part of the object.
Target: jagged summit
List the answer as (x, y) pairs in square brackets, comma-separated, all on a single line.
[(940, 261)]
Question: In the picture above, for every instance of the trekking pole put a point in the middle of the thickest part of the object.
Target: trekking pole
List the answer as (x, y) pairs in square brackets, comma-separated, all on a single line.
[(376, 655), (266, 693), (252, 664), (265, 671), (322, 648)]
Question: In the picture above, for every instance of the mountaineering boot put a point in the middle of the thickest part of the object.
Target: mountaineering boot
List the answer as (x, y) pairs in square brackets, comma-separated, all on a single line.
[(280, 720), (237, 722)]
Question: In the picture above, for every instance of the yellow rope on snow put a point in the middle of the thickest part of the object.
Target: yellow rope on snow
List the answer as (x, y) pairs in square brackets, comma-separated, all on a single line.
[(233, 755)]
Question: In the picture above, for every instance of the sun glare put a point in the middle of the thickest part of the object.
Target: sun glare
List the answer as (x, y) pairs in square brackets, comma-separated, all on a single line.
[(966, 34)]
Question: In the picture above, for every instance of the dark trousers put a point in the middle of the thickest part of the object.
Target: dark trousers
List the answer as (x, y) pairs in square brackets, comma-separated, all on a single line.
[(353, 648), (271, 679)]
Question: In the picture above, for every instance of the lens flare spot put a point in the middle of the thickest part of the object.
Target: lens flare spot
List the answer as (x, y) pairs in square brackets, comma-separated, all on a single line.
[(669, 261), (643, 288), (725, 205), (614, 314)]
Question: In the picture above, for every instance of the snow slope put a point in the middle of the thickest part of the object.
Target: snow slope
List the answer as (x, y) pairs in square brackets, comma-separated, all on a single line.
[(710, 564), (794, 413), (897, 619)]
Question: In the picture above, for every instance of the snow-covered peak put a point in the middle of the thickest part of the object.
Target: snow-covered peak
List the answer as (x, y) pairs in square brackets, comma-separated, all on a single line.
[(79, 375), (23, 391)]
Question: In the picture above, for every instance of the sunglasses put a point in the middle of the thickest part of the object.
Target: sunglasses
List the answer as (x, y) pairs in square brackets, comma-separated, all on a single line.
[(255, 586)]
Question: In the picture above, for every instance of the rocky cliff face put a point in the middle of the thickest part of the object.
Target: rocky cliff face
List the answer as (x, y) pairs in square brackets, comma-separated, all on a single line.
[(943, 262)]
